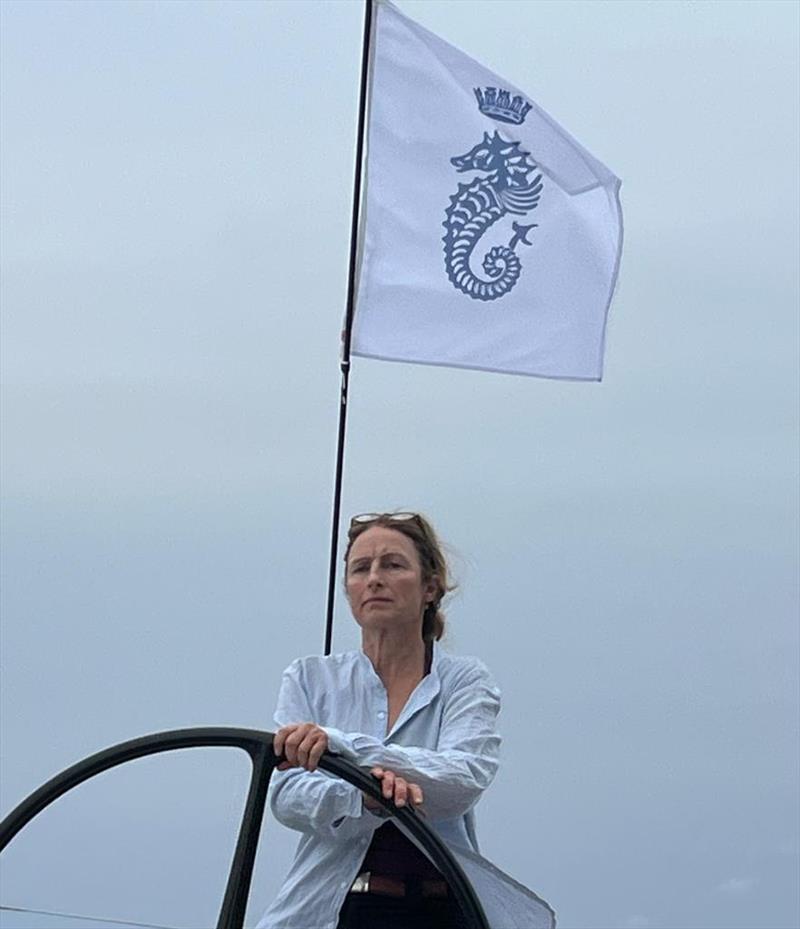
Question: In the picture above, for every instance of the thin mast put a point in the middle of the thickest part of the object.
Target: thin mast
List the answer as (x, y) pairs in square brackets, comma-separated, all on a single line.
[(348, 325)]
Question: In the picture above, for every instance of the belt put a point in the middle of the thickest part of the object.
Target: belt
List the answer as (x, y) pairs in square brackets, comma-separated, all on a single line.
[(389, 886)]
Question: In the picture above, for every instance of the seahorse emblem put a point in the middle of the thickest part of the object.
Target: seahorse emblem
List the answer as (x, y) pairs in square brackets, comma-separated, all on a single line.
[(504, 188)]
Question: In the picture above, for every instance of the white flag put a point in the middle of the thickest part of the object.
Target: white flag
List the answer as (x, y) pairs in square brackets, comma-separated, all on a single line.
[(491, 238)]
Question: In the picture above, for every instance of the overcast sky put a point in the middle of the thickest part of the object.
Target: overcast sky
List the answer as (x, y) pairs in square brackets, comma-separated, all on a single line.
[(176, 183)]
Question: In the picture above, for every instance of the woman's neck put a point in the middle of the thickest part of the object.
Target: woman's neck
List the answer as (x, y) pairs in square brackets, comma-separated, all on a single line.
[(394, 659)]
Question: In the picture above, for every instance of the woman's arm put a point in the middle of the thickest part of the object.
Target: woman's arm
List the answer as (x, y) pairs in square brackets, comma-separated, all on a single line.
[(317, 802), (453, 775), (313, 801)]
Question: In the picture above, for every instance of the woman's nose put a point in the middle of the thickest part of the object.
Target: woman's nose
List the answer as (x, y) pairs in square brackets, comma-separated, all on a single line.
[(374, 576)]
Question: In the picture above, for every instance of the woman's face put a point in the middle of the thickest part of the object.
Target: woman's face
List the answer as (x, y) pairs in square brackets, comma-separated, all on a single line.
[(384, 581)]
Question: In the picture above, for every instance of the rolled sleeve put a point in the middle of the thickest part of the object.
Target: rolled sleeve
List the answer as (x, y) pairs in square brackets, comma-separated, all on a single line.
[(312, 801)]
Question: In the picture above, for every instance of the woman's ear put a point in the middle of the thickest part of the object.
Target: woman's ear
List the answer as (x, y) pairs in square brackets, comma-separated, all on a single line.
[(431, 589)]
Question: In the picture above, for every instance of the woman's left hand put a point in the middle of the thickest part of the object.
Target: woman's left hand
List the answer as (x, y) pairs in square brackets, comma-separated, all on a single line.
[(394, 787), (302, 744)]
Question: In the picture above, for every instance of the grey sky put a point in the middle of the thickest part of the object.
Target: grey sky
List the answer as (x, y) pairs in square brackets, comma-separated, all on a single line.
[(175, 197)]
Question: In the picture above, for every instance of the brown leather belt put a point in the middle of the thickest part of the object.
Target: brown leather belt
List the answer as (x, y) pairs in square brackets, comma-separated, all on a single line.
[(389, 886)]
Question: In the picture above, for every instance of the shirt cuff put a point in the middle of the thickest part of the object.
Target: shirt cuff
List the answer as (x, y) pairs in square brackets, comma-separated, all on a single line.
[(338, 743), (354, 808)]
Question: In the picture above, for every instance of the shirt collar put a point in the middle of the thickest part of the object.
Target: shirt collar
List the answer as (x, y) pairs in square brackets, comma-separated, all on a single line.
[(423, 694)]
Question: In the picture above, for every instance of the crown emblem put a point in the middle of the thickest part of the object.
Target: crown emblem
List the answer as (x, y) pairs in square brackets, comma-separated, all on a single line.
[(499, 104)]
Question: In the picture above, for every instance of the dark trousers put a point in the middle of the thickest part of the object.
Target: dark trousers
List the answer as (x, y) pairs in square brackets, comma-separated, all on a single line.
[(373, 911)]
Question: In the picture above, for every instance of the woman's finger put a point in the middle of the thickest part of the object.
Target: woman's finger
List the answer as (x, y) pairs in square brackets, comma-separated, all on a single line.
[(416, 794), (400, 791), (293, 742), (289, 748), (304, 748), (388, 783), (277, 742), (319, 747)]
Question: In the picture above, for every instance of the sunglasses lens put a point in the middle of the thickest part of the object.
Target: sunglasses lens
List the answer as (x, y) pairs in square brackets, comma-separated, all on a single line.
[(391, 517)]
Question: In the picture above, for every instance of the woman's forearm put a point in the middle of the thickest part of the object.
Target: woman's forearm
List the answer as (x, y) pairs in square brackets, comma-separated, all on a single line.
[(315, 802)]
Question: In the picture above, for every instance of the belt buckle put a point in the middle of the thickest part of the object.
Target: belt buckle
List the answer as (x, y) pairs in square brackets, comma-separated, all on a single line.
[(361, 883)]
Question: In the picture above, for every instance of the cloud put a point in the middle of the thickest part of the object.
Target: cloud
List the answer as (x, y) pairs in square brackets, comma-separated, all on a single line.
[(736, 886), (636, 922)]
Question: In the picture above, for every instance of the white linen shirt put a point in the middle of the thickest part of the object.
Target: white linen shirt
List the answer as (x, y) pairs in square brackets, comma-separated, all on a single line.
[(445, 740)]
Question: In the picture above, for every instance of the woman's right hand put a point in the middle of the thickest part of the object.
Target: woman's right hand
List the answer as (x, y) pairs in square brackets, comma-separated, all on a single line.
[(394, 788), (302, 745)]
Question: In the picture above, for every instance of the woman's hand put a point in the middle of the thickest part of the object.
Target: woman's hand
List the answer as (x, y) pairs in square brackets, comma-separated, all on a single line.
[(394, 787), (302, 744)]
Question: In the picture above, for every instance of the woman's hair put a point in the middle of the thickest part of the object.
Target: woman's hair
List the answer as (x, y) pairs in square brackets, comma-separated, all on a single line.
[(431, 558)]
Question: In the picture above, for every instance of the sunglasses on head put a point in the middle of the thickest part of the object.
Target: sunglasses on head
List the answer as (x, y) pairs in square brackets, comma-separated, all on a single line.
[(389, 517)]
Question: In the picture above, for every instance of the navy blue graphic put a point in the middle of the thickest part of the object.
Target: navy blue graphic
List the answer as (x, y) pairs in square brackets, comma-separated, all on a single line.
[(503, 189), (498, 104)]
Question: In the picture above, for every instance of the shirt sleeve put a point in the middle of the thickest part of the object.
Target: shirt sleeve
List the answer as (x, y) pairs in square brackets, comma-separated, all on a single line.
[(313, 801), (465, 761)]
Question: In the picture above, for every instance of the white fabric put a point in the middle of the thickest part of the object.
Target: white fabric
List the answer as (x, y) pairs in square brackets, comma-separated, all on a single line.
[(423, 112), (445, 740)]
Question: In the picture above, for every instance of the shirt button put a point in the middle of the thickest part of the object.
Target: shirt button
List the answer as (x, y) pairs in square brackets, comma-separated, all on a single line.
[(381, 715)]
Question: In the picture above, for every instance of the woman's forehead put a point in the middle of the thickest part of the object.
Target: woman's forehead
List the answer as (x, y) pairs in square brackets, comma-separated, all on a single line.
[(379, 540)]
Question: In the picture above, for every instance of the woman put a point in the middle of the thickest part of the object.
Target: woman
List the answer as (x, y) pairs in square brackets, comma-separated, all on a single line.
[(422, 720)]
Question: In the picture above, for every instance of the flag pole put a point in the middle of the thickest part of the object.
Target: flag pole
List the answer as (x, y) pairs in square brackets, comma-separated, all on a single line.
[(348, 325)]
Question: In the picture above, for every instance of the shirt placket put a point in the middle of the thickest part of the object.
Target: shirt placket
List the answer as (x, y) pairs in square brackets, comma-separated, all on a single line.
[(380, 714)]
